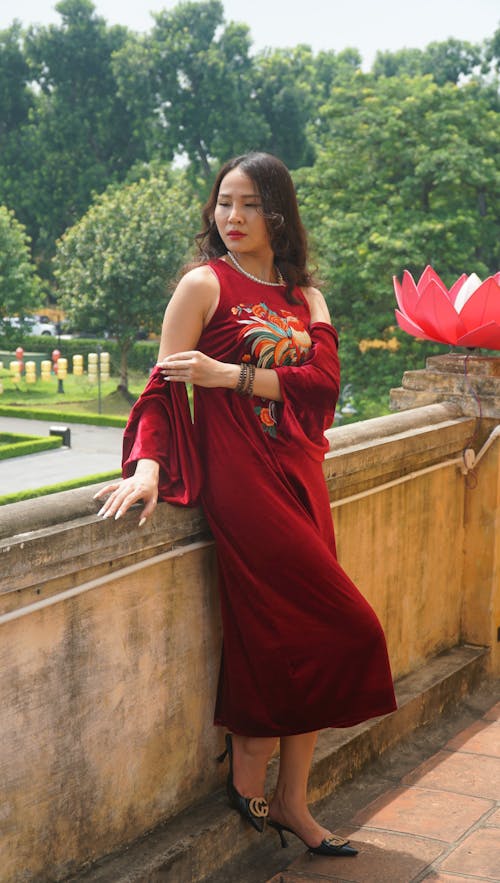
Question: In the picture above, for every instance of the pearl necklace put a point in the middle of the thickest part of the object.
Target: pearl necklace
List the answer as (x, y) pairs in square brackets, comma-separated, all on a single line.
[(256, 278)]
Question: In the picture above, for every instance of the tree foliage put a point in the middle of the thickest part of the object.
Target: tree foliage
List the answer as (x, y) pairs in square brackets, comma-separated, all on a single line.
[(76, 137), (407, 173), (188, 85), (19, 283), (446, 62), (114, 264)]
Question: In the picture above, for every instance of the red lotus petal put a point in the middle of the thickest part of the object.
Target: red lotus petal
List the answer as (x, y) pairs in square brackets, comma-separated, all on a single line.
[(483, 306), (397, 291), (455, 288), (437, 316), (411, 328), (430, 275), (409, 294), (487, 336)]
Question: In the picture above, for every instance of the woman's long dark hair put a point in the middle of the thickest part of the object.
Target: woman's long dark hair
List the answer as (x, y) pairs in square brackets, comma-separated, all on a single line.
[(287, 235)]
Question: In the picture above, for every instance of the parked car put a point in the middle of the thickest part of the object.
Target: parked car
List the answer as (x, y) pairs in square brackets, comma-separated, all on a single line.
[(33, 325)]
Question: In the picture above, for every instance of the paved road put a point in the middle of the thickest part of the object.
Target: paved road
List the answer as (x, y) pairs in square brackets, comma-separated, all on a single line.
[(93, 449)]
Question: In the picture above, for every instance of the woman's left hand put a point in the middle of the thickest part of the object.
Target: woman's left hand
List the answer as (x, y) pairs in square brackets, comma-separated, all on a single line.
[(195, 367)]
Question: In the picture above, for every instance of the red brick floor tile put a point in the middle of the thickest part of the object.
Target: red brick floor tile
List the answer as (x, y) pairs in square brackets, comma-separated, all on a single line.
[(493, 714), (427, 813), (462, 773), (383, 858), (494, 819), (482, 737), (477, 855)]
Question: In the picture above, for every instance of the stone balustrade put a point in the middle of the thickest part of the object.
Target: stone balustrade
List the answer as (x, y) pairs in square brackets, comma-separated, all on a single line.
[(110, 634)]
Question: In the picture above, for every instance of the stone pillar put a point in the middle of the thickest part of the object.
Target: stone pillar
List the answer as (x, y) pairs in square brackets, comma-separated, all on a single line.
[(470, 381)]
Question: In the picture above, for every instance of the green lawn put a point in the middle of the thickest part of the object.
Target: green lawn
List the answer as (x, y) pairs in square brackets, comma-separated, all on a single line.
[(78, 395)]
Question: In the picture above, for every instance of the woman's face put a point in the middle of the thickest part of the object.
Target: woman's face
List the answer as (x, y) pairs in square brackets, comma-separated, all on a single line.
[(238, 215)]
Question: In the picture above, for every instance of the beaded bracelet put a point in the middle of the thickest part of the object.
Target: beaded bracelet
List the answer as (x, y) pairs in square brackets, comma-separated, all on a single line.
[(249, 385), (246, 380), (242, 380)]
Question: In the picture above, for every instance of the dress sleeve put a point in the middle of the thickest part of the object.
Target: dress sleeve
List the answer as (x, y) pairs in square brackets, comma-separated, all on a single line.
[(160, 428), (310, 391)]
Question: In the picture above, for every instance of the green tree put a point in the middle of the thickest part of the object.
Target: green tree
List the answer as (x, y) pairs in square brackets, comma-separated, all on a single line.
[(290, 86), (114, 265), (188, 85), (446, 61), (19, 284), (283, 81), (77, 137), (407, 173), (16, 99)]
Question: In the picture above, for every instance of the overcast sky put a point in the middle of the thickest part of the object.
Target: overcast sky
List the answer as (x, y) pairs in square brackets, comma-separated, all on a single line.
[(367, 25)]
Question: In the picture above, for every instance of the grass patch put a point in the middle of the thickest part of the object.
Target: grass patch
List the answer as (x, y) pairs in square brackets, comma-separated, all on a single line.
[(69, 485), (13, 445), (29, 413), (79, 395)]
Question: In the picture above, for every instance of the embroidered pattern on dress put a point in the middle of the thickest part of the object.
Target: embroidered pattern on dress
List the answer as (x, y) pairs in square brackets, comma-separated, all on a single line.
[(275, 338)]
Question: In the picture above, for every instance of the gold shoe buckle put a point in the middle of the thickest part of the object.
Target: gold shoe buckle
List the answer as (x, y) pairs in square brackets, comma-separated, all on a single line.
[(335, 840), (259, 807)]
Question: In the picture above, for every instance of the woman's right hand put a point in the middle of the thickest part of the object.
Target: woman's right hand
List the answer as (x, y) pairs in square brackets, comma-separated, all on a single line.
[(121, 495)]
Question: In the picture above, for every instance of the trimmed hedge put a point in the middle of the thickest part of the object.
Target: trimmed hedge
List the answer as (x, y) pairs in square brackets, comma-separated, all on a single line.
[(68, 416), (13, 445), (69, 485), (142, 355)]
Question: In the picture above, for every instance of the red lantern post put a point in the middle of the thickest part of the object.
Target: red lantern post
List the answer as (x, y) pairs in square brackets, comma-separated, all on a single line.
[(56, 355), (19, 357)]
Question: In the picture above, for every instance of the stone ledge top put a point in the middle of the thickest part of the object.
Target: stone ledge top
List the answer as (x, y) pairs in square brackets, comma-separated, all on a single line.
[(55, 509), (459, 363)]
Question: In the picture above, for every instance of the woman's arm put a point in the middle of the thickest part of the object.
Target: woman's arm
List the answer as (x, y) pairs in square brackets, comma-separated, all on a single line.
[(191, 306), (181, 362)]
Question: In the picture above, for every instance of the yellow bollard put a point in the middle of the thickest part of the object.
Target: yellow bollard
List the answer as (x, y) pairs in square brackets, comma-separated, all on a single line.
[(62, 368), (104, 366), (77, 365), (15, 371), (30, 369), (46, 368), (92, 367)]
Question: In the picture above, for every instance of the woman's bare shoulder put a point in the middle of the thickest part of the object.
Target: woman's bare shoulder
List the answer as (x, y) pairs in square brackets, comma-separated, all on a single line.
[(202, 277), (197, 291), (317, 304)]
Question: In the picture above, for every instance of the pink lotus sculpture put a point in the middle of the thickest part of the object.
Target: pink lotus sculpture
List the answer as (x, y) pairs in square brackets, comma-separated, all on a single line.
[(468, 314)]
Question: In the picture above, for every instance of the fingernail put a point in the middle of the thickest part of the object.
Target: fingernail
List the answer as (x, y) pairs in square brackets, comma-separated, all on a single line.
[(101, 510), (142, 521), (118, 515), (107, 515)]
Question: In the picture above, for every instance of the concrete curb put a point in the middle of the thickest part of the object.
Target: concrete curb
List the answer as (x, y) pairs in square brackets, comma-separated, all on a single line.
[(199, 842)]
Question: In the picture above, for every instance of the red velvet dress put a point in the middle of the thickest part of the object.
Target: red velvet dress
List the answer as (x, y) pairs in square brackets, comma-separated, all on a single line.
[(302, 649)]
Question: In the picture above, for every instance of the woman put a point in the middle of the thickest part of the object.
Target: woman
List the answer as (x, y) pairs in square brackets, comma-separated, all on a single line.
[(302, 650)]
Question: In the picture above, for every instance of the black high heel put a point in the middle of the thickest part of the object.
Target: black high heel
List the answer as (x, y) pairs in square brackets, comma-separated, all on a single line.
[(332, 845), (253, 809)]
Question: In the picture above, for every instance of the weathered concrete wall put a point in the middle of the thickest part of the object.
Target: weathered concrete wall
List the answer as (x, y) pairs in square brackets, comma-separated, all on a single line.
[(110, 636)]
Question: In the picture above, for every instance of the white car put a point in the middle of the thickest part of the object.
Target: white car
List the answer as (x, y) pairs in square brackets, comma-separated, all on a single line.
[(34, 325)]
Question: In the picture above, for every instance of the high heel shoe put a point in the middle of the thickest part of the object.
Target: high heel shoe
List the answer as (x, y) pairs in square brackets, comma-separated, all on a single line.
[(253, 809), (332, 845)]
